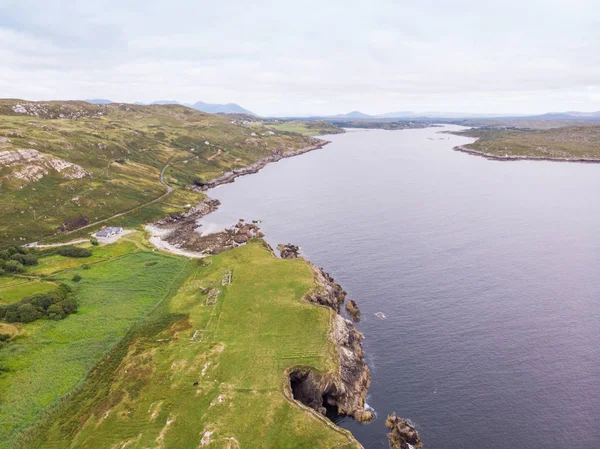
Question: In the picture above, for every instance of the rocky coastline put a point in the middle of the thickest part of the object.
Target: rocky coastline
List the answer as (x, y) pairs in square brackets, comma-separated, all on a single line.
[(230, 176), (495, 157), (342, 392)]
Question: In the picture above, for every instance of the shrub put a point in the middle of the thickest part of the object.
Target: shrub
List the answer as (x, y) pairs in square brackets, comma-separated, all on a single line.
[(69, 305), (94, 241), (14, 266), (4, 254), (2, 271), (86, 267), (18, 257), (4, 337), (28, 313), (74, 251), (30, 259), (56, 312), (76, 278)]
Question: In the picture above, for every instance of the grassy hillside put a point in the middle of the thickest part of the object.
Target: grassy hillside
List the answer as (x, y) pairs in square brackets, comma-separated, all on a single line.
[(572, 142), (66, 164), (307, 127), (48, 359), (191, 375)]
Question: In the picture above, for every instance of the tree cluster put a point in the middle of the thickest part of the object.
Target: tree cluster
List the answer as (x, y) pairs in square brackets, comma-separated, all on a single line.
[(14, 260), (54, 305), (74, 251)]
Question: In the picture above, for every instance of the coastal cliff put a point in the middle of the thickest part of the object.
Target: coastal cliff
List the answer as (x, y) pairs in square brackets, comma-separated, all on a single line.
[(342, 392)]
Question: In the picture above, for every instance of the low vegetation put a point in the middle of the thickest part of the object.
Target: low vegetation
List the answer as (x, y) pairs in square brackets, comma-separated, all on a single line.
[(571, 142), (55, 305), (307, 127), (193, 373), (65, 165), (48, 359)]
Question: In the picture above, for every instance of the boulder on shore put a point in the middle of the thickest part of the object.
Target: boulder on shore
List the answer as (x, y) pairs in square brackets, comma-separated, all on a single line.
[(288, 251)]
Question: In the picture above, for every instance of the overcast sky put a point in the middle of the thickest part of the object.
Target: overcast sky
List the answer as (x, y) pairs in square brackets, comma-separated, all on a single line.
[(307, 57)]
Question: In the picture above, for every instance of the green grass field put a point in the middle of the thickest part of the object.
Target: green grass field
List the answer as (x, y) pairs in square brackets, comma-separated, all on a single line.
[(49, 359), (13, 289), (197, 375)]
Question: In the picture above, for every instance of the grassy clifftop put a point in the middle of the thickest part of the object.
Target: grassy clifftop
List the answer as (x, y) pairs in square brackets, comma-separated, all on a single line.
[(200, 369), (65, 164), (570, 142)]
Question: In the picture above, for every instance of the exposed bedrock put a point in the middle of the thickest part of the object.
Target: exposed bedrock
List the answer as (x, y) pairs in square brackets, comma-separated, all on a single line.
[(343, 392), (353, 310), (288, 251), (402, 435), (329, 293)]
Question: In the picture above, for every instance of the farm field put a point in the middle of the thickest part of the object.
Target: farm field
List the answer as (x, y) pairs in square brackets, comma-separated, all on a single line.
[(49, 359), (197, 373)]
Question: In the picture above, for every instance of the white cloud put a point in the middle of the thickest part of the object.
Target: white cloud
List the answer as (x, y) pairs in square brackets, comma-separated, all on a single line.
[(312, 57)]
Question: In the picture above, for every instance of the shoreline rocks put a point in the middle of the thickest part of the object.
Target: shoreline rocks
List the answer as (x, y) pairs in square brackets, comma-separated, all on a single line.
[(288, 251), (230, 176), (343, 392), (402, 434), (495, 157), (353, 310)]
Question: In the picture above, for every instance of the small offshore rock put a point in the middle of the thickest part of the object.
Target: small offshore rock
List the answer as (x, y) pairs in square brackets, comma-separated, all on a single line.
[(380, 315), (402, 434), (353, 311)]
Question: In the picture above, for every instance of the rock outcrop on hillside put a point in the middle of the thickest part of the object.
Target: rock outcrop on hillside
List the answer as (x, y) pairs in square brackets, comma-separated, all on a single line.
[(31, 165)]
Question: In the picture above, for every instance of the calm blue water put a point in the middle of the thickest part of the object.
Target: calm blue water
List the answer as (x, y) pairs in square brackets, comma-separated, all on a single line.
[(488, 273)]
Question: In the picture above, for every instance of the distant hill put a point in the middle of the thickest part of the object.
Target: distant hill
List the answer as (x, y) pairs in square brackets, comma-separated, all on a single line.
[(215, 108), (353, 114), (570, 115)]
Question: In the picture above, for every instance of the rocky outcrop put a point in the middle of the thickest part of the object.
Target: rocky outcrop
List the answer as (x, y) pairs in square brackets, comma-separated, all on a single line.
[(402, 434), (255, 167), (185, 236), (328, 293), (353, 310), (342, 392), (205, 207), (288, 251), (31, 165)]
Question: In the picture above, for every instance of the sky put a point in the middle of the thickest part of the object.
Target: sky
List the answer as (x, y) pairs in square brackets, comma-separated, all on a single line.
[(310, 57)]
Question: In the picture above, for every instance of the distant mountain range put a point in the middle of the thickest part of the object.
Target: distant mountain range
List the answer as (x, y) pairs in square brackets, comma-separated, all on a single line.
[(211, 108), (410, 115)]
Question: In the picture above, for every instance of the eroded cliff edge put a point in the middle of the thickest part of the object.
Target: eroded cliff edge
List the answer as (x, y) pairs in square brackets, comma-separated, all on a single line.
[(342, 392)]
